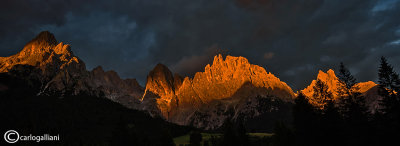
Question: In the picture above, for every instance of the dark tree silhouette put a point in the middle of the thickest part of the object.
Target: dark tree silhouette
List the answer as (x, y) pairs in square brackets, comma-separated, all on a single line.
[(229, 138), (78, 119), (305, 121), (346, 81), (206, 143), (214, 141), (352, 108), (331, 125), (389, 116), (389, 84), (283, 135), (321, 94), (234, 134), (388, 78), (242, 135), (195, 138)]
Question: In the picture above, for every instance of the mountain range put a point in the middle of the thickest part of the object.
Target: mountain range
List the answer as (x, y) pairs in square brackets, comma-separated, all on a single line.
[(231, 88)]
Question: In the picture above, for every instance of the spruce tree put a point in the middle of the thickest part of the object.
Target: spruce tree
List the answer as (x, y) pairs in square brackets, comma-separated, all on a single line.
[(352, 108), (346, 81), (331, 125), (389, 85), (321, 94), (305, 121), (352, 103), (388, 78)]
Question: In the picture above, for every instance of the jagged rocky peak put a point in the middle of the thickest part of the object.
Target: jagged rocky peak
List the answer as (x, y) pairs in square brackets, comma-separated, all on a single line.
[(43, 52), (178, 80), (160, 81), (161, 72), (54, 65), (329, 78), (329, 75), (133, 83), (230, 61), (108, 76), (60, 72), (45, 42), (112, 86), (232, 73), (98, 70), (228, 82), (43, 38), (222, 80), (367, 89), (111, 78)]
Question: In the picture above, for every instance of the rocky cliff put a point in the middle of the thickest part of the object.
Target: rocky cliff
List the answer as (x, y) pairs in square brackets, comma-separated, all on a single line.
[(226, 83), (229, 88), (368, 89), (55, 68)]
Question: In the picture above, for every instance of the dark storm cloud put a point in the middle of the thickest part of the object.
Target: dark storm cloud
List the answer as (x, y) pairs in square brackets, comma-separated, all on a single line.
[(291, 38)]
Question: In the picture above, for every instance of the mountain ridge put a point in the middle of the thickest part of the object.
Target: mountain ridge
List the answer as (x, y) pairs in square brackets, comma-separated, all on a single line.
[(368, 89), (219, 81), (228, 88), (60, 72)]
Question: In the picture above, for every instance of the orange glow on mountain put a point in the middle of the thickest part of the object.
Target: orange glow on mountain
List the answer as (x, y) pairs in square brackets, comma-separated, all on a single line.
[(330, 79), (220, 80)]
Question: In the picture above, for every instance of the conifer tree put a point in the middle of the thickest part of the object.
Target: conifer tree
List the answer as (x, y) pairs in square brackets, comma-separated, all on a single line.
[(389, 85), (321, 94), (388, 78), (352, 107), (331, 124), (346, 81), (305, 121)]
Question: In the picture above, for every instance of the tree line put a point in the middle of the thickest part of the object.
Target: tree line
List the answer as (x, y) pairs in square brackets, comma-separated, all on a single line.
[(348, 121)]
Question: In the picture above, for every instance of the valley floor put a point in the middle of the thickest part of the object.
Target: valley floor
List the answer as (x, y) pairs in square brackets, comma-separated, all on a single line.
[(207, 137)]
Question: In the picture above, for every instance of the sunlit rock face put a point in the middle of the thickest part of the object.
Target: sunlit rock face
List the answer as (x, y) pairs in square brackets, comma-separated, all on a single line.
[(45, 53), (60, 72), (227, 76), (161, 82), (55, 61), (329, 78), (229, 88), (367, 89), (232, 79)]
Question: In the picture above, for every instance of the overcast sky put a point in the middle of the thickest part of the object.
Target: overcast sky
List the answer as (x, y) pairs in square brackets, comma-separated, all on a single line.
[(292, 39)]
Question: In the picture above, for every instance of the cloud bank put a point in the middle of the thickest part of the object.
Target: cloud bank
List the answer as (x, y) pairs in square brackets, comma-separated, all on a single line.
[(291, 38)]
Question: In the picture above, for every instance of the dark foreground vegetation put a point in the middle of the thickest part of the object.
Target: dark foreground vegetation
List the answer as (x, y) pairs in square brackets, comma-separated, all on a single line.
[(343, 122), (79, 120), (86, 120), (347, 121)]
